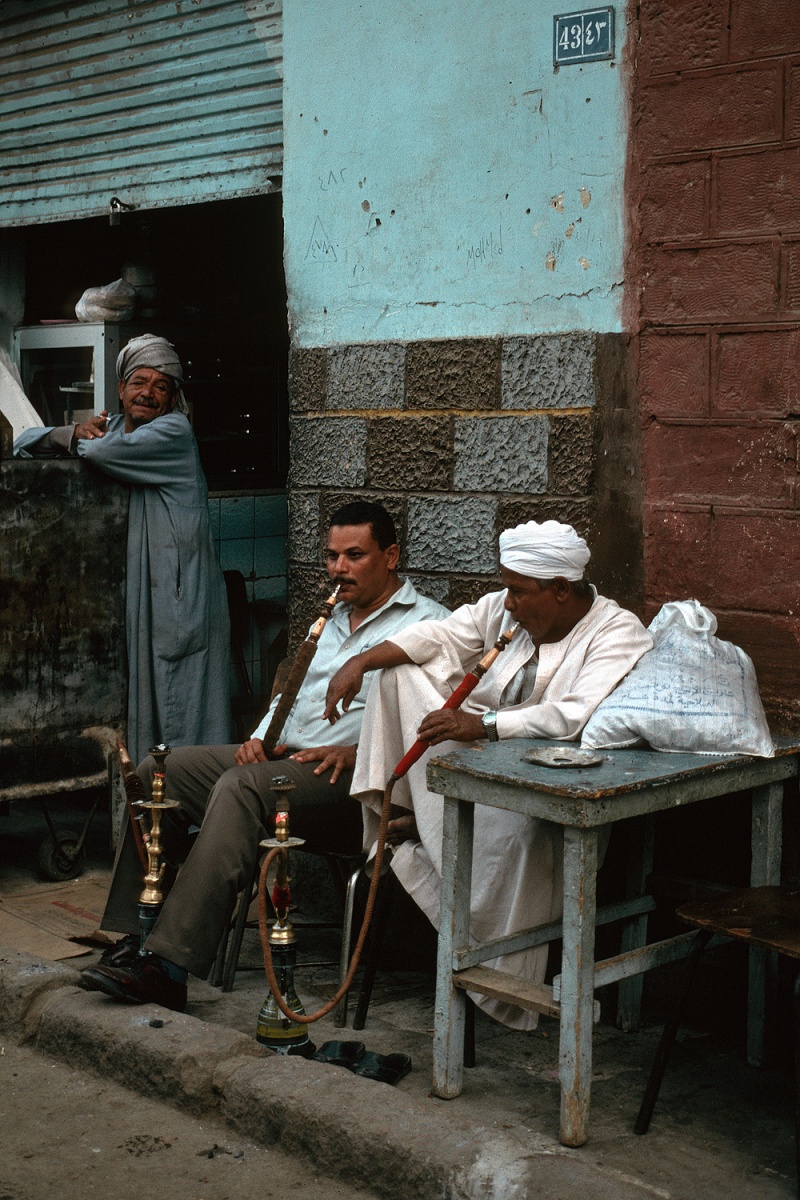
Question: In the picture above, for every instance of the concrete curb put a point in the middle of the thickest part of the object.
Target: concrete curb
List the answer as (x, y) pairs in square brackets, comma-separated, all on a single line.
[(362, 1132)]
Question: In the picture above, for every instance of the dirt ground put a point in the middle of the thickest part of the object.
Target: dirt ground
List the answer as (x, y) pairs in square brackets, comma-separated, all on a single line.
[(721, 1128), (70, 1134)]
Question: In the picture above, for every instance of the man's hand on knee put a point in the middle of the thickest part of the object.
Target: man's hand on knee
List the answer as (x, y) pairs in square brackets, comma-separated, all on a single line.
[(339, 758), (250, 752)]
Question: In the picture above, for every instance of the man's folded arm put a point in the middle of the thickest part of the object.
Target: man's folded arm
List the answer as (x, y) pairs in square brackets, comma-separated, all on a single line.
[(348, 680)]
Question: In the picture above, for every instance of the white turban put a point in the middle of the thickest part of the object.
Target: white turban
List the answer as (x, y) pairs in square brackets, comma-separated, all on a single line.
[(544, 550), (148, 350)]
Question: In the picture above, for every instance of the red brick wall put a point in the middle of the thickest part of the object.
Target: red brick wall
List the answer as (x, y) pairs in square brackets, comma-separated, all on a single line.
[(714, 197)]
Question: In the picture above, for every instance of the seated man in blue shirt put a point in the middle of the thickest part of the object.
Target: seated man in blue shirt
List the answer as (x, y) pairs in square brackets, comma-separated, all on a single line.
[(226, 789)]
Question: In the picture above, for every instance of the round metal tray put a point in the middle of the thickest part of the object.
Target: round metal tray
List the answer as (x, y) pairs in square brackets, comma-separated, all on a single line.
[(563, 756)]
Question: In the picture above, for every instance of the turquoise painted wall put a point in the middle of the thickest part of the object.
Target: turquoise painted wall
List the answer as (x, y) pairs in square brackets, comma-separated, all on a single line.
[(441, 180)]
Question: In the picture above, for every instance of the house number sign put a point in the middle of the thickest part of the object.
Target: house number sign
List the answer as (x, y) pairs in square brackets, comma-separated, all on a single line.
[(581, 37)]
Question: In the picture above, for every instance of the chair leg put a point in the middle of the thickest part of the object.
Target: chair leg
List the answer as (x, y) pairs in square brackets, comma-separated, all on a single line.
[(669, 1034), (380, 917), (796, 1058), (235, 935), (340, 1012), (469, 1034), (218, 969)]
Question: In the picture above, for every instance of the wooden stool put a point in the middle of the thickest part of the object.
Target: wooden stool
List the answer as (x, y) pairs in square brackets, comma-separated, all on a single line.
[(768, 917)]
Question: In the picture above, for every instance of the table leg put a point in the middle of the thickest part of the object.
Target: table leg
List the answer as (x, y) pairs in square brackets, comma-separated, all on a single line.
[(450, 1012), (766, 843), (577, 983), (640, 834)]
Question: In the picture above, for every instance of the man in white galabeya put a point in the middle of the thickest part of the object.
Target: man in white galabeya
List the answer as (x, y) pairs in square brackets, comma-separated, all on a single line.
[(572, 648)]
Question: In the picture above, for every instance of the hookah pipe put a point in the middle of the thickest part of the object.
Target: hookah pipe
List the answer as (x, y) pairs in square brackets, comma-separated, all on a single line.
[(152, 896), (134, 797), (297, 674), (280, 846)]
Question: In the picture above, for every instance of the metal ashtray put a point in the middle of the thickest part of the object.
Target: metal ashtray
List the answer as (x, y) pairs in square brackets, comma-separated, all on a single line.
[(562, 756)]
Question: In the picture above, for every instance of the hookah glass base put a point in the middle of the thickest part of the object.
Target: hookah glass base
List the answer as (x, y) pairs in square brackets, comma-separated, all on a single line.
[(275, 1030)]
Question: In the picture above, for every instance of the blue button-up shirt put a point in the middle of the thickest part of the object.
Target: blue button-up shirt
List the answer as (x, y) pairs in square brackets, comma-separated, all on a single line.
[(305, 726)]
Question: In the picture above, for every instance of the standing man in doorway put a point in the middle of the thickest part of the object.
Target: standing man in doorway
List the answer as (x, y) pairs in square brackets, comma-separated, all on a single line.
[(177, 626)]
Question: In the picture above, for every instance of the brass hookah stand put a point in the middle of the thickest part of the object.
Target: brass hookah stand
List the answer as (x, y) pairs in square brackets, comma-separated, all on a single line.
[(286, 1036), (274, 1029), (152, 896)]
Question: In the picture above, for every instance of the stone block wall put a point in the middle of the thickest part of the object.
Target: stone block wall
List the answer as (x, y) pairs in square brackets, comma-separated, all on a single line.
[(714, 181), (461, 439), (62, 616)]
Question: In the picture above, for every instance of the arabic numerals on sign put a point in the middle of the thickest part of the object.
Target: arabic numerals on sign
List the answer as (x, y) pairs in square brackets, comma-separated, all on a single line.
[(581, 37)]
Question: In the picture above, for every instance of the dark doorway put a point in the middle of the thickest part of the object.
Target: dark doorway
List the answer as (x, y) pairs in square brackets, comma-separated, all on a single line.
[(217, 292)]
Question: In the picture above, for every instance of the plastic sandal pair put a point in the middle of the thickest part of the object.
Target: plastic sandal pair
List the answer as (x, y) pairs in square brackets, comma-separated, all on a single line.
[(383, 1068)]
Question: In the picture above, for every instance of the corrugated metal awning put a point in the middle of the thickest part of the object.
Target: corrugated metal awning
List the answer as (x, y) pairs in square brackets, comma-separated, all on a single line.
[(156, 102)]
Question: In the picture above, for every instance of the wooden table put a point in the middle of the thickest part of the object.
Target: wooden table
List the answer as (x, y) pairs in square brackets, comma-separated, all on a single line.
[(628, 784)]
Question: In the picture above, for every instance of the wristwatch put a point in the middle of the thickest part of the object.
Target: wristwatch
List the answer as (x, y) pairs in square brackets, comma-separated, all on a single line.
[(489, 720)]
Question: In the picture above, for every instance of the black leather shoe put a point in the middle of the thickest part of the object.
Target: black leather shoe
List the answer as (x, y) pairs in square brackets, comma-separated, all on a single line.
[(144, 981), (121, 954)]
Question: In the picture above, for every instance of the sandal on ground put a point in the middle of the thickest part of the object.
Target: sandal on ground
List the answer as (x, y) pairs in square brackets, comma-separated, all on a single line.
[(340, 1054), (383, 1068)]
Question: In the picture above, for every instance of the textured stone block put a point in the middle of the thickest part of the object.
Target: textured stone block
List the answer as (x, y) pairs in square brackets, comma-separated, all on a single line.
[(678, 553), (328, 452), (467, 589), (435, 587), (448, 534), (757, 372), (571, 455), (762, 28), (773, 643), (62, 598), (308, 378), (572, 511), (725, 283), (703, 26), (304, 526), (675, 200), (746, 464), (368, 376), (721, 560), (501, 454), (457, 373), (307, 590), (674, 114), (792, 273), (757, 193), (793, 113), (548, 372), (755, 560), (673, 374), (413, 453)]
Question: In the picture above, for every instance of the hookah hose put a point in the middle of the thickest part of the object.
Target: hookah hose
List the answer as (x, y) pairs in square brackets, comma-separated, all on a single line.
[(134, 793), (470, 681)]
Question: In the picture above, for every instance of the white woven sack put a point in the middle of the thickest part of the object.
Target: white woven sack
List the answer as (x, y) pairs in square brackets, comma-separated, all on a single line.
[(691, 692)]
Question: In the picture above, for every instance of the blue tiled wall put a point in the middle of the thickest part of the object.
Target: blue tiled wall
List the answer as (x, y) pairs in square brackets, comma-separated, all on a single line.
[(250, 534)]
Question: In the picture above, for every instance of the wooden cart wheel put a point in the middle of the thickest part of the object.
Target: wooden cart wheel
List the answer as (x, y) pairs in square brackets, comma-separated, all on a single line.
[(61, 857)]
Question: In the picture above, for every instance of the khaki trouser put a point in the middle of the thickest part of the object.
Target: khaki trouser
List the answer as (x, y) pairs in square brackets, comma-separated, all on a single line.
[(232, 806)]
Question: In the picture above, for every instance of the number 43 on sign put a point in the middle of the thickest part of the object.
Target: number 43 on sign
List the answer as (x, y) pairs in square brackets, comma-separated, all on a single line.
[(581, 37)]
